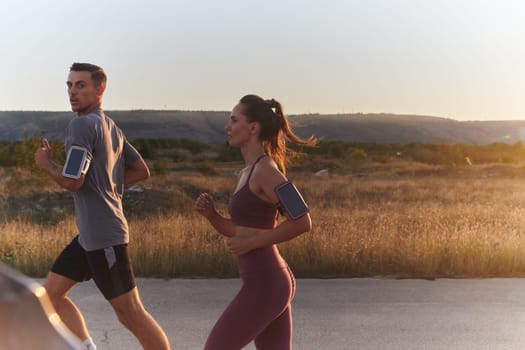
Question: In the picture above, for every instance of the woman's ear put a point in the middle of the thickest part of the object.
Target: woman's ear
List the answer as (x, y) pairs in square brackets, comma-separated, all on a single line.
[(255, 128)]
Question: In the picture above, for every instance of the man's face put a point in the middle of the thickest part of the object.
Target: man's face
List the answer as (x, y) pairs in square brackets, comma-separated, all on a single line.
[(83, 94)]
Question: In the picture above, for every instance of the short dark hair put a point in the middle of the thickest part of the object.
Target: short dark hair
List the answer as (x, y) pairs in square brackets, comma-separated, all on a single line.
[(97, 73)]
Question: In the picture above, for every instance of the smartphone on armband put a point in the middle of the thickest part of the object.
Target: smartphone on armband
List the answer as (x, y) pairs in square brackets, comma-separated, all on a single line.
[(291, 201), (77, 162)]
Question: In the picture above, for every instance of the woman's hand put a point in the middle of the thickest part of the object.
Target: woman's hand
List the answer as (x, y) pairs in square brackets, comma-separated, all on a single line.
[(242, 244), (205, 205)]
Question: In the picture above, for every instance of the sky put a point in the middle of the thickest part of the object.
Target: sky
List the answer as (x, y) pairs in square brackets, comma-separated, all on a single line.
[(459, 59)]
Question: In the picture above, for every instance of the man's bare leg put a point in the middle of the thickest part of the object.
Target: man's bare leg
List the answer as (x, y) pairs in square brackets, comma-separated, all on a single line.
[(131, 313), (57, 288)]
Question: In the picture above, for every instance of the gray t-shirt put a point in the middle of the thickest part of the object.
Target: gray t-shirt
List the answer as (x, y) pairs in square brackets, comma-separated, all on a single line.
[(98, 203)]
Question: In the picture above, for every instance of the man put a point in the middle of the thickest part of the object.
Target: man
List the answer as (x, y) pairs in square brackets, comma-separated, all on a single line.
[(100, 250)]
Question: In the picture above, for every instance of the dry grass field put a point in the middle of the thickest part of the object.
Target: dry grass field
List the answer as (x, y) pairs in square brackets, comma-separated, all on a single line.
[(400, 219)]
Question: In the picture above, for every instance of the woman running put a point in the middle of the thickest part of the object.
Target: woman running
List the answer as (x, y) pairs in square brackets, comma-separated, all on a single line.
[(261, 310)]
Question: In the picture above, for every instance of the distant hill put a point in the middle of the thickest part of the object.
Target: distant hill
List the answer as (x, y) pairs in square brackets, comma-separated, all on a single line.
[(208, 127)]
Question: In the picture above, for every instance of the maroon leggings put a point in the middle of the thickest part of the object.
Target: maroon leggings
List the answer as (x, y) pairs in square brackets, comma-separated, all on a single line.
[(261, 310)]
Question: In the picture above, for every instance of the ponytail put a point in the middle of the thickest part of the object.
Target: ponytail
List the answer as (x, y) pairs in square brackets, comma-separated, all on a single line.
[(275, 129)]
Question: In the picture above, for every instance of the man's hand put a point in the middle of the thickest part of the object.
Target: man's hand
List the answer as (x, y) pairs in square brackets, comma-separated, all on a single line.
[(43, 155)]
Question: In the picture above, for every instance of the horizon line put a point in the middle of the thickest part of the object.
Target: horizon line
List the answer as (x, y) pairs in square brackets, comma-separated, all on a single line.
[(289, 114)]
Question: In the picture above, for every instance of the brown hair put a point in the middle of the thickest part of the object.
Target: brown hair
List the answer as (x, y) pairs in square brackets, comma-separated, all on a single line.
[(97, 73), (275, 129)]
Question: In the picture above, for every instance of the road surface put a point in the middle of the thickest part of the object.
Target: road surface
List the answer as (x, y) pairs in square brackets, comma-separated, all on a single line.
[(333, 314)]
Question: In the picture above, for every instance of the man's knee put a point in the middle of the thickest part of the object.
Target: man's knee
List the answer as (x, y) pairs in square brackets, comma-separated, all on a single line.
[(128, 308), (57, 290), (128, 316)]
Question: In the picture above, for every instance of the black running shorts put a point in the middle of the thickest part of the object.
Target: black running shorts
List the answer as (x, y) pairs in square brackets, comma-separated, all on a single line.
[(110, 267)]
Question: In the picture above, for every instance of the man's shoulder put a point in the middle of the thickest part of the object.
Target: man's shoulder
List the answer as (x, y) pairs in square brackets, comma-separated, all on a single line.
[(92, 118), (95, 116), (82, 125)]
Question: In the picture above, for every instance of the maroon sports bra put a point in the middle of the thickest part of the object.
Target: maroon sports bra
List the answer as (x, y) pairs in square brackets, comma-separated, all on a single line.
[(246, 209)]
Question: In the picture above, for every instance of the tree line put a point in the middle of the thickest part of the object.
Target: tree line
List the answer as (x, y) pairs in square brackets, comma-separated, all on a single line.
[(20, 154)]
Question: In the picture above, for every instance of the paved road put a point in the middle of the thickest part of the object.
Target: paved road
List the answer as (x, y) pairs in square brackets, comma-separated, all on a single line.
[(335, 314)]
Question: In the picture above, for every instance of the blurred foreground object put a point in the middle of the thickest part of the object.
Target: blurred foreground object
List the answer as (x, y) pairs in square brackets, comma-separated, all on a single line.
[(27, 317)]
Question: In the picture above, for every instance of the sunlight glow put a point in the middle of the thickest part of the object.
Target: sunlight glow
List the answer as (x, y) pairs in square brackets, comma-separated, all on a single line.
[(455, 59)]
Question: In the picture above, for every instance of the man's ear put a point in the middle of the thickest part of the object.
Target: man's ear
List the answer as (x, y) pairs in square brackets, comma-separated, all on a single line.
[(100, 90)]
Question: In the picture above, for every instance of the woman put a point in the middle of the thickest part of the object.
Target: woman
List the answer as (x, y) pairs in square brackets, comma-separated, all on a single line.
[(261, 310)]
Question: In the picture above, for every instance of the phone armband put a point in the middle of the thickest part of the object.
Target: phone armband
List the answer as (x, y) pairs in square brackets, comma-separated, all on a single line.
[(290, 200), (77, 162)]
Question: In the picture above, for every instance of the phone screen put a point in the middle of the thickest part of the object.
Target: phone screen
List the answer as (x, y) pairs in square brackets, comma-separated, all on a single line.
[(75, 162), (291, 200)]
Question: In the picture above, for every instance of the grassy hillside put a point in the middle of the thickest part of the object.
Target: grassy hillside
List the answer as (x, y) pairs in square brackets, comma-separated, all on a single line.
[(402, 219), (208, 127), (415, 210)]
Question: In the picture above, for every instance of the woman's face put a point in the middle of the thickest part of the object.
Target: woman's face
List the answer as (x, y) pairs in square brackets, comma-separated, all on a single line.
[(238, 128)]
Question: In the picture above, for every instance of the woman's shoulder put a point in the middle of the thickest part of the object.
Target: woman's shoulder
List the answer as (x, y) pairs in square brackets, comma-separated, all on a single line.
[(267, 164), (267, 170)]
